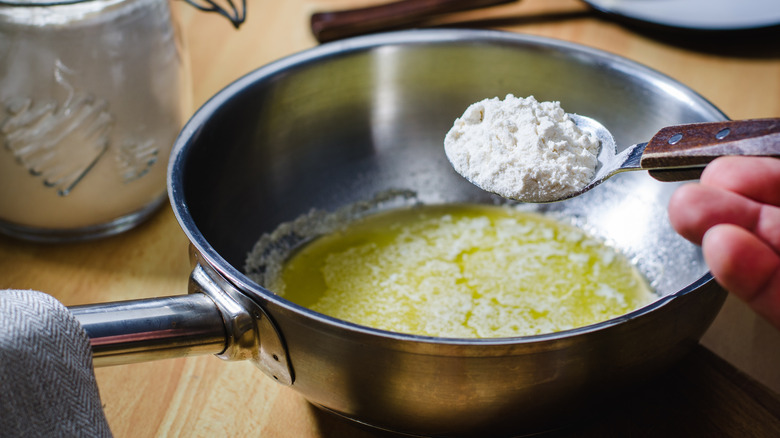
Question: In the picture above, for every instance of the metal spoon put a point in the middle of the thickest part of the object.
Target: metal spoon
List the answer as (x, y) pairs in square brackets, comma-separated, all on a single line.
[(680, 152)]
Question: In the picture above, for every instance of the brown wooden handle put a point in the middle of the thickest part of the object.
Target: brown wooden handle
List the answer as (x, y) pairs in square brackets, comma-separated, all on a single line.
[(675, 152), (329, 26)]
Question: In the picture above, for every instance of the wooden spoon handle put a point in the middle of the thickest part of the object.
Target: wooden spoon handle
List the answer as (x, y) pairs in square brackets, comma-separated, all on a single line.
[(329, 26), (675, 152)]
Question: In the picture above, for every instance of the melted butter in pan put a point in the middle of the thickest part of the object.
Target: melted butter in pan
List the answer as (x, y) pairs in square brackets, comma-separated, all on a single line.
[(465, 271)]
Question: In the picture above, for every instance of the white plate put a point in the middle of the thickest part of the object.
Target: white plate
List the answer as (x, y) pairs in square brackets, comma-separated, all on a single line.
[(696, 14)]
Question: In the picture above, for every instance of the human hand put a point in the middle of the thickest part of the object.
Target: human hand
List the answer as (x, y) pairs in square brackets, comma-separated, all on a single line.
[(734, 214)]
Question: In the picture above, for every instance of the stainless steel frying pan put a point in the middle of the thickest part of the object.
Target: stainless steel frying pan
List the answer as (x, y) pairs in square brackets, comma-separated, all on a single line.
[(341, 122)]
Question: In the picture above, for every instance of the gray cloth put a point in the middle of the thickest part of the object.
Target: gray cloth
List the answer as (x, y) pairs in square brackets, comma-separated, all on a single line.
[(47, 382)]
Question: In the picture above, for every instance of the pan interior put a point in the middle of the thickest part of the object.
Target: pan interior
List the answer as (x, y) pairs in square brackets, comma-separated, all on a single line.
[(340, 124)]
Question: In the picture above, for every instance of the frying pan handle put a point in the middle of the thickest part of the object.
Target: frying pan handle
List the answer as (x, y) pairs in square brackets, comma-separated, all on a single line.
[(157, 328), (215, 318), (677, 153)]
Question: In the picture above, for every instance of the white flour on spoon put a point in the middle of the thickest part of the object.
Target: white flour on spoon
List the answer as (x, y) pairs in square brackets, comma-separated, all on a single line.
[(522, 149)]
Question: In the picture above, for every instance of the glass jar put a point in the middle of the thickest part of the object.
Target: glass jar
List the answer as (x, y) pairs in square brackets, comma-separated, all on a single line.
[(92, 96)]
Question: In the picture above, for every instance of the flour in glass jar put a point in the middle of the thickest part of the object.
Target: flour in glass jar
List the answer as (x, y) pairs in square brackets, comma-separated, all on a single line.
[(92, 96), (522, 149)]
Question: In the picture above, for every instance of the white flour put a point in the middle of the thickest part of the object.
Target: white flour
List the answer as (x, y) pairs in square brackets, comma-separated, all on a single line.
[(522, 149)]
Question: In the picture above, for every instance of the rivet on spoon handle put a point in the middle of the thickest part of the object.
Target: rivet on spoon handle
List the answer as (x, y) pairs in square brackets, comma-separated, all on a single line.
[(682, 151)]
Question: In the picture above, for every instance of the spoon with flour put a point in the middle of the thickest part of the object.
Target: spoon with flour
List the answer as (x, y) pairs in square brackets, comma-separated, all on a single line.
[(533, 151)]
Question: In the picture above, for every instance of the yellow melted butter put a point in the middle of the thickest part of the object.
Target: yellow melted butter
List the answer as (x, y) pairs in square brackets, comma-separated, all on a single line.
[(463, 271)]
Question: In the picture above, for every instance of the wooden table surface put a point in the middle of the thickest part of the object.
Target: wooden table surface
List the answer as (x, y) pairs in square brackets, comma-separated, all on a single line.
[(204, 396)]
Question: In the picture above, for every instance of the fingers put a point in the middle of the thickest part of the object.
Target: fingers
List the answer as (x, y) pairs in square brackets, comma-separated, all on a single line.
[(734, 213), (745, 266), (695, 208), (749, 176), (756, 178)]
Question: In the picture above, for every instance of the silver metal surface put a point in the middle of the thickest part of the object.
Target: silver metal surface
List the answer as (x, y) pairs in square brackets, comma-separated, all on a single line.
[(159, 328), (250, 332), (341, 122), (213, 319)]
